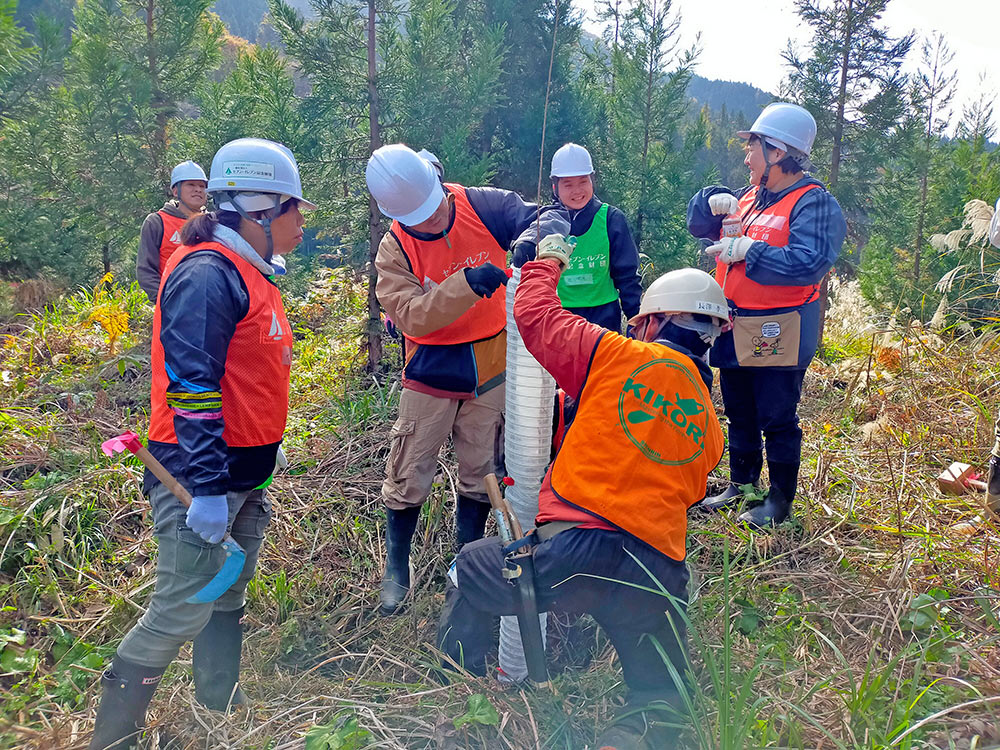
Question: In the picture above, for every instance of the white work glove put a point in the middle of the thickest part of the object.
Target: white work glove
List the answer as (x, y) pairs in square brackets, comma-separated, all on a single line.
[(555, 246), (730, 249), (280, 460), (208, 517), (723, 204)]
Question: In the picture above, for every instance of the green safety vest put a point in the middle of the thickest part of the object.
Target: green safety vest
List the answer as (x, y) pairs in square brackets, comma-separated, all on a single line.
[(586, 282)]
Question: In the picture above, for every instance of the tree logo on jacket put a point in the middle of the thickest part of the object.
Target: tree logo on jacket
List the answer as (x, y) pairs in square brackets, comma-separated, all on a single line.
[(661, 409)]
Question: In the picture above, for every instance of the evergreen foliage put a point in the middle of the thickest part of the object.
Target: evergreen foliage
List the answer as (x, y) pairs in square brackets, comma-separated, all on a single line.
[(97, 105)]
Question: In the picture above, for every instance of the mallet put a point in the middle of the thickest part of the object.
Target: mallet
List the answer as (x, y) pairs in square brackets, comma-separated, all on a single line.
[(236, 556)]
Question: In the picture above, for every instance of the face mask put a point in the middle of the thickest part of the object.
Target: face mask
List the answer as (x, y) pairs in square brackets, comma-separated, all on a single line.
[(707, 330)]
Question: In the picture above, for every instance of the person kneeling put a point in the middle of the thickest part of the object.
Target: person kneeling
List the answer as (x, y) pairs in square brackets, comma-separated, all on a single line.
[(645, 406)]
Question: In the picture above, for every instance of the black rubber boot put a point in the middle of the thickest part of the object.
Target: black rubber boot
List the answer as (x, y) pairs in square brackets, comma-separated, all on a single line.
[(777, 505), (126, 690), (215, 661), (648, 729), (744, 468), (470, 521), (399, 528)]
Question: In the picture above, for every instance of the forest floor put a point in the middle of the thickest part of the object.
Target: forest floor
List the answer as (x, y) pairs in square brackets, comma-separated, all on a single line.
[(866, 622)]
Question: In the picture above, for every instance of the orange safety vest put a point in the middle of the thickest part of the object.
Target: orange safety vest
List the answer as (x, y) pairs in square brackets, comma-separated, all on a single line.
[(258, 363), (770, 225), (171, 237), (468, 244), (645, 409)]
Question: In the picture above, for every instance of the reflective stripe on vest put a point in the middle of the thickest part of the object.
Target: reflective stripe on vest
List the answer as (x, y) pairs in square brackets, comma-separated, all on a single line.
[(586, 282), (468, 244), (642, 444), (171, 237), (258, 363), (770, 225)]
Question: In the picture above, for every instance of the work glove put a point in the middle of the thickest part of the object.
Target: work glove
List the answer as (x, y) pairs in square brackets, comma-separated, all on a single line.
[(280, 460), (557, 247), (390, 327), (723, 204), (485, 279), (730, 249), (208, 517)]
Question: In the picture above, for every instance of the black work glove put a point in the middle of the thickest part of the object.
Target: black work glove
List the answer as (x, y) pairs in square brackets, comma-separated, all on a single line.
[(485, 279)]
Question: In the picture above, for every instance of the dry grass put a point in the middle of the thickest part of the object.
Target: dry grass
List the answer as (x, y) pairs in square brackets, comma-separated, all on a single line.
[(859, 620)]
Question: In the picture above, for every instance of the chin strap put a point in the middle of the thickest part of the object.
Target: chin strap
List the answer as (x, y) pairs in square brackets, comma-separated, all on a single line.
[(761, 193), (269, 215)]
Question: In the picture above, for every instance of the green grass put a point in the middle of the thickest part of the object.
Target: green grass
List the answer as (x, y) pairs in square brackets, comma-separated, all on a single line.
[(862, 624)]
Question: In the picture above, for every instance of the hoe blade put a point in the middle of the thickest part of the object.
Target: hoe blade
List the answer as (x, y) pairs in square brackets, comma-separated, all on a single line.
[(227, 575)]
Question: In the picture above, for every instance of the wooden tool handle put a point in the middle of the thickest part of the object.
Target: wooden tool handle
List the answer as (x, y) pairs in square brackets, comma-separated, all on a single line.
[(499, 502), (161, 473), (976, 484)]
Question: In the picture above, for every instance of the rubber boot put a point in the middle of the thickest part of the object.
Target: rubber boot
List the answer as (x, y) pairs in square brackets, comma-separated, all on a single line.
[(470, 521), (215, 661), (744, 468), (126, 690), (777, 505), (399, 528)]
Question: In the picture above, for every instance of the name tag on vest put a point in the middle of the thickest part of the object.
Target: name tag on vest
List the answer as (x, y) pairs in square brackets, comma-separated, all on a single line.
[(771, 221), (577, 279)]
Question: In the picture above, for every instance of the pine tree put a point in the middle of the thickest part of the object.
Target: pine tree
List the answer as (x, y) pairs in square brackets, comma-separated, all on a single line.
[(644, 153), (934, 89), (337, 51), (512, 127), (91, 142), (441, 59), (850, 79), (15, 48)]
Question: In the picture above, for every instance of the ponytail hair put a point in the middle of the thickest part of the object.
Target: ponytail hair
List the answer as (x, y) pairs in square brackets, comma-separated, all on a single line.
[(201, 228)]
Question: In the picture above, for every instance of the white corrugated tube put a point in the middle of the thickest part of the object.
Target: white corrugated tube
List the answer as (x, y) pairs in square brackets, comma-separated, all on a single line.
[(527, 442)]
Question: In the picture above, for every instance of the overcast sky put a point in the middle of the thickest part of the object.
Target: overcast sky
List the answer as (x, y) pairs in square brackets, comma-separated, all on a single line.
[(743, 41)]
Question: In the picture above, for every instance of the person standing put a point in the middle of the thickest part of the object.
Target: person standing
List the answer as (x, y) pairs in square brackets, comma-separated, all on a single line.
[(160, 235), (222, 353), (602, 280), (440, 269), (789, 231)]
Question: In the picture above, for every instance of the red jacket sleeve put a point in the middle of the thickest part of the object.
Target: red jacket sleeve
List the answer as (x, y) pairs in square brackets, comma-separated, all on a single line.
[(562, 342)]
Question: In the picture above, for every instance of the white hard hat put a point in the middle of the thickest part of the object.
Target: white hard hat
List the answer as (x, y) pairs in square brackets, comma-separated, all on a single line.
[(786, 126), (253, 171), (686, 290), (186, 170), (435, 162), (405, 185), (571, 160)]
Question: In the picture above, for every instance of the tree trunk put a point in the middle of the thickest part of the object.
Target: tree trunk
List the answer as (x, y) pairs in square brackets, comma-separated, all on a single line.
[(159, 150), (374, 332), (922, 214), (838, 125), (835, 156), (647, 116)]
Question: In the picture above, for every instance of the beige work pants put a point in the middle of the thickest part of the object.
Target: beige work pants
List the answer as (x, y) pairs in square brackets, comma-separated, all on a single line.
[(422, 428)]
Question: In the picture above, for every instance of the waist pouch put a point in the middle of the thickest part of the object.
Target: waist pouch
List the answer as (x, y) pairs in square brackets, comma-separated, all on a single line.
[(783, 337)]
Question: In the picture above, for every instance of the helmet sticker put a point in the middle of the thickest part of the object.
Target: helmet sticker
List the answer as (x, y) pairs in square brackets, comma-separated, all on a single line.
[(251, 169)]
